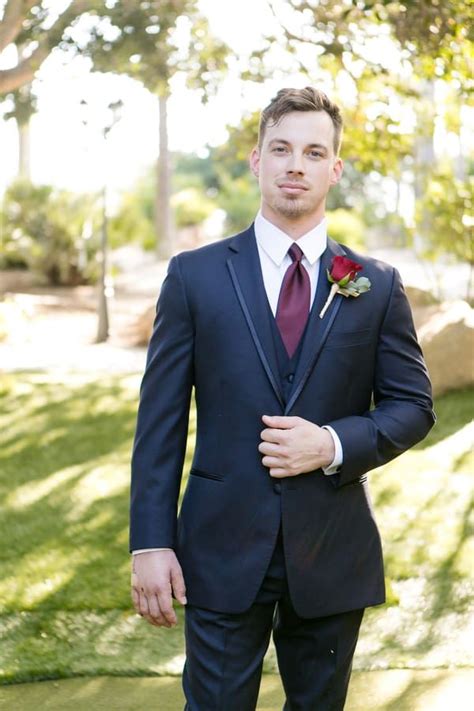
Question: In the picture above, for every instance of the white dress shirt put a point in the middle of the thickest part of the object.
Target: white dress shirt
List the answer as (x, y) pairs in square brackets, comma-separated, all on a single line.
[(273, 245)]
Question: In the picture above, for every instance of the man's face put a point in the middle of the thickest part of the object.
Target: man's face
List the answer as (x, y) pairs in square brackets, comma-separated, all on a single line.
[(296, 166)]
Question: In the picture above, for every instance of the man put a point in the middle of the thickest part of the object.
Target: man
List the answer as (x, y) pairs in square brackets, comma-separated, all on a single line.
[(295, 404)]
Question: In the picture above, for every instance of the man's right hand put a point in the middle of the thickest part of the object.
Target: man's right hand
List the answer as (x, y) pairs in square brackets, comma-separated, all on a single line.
[(155, 576)]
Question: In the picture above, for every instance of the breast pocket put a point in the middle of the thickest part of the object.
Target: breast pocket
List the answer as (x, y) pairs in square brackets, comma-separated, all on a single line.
[(349, 339)]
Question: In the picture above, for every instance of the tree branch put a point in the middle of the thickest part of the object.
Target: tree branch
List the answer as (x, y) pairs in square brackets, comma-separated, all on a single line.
[(11, 22), (23, 73)]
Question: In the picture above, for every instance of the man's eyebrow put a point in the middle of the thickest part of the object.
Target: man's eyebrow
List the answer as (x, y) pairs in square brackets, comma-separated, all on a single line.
[(321, 146)]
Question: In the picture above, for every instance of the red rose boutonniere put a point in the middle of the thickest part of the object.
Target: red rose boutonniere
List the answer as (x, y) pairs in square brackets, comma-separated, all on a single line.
[(343, 277)]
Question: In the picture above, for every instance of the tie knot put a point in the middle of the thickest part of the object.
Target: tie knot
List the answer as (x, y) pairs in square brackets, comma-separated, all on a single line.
[(296, 253)]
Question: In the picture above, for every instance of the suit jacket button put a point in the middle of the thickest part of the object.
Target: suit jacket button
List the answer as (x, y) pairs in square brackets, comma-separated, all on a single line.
[(290, 377), (277, 487)]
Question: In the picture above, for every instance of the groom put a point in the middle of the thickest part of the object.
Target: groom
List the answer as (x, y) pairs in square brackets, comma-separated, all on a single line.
[(295, 404)]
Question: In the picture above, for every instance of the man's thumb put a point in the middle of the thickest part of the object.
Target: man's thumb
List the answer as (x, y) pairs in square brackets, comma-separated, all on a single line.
[(179, 588)]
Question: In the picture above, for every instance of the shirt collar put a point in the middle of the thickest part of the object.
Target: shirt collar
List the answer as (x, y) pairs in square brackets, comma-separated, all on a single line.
[(276, 243)]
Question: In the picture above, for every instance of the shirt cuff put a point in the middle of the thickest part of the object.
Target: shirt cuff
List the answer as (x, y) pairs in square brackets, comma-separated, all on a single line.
[(149, 550), (338, 454)]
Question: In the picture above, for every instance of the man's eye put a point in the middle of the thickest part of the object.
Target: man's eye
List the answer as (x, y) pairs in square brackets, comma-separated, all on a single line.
[(279, 149), (316, 154)]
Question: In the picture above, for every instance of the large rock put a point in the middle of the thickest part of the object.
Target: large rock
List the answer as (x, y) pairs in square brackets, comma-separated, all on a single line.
[(420, 297), (446, 335)]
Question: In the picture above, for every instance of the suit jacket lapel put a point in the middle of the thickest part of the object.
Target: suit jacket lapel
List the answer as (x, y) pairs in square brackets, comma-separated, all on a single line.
[(317, 329), (246, 274)]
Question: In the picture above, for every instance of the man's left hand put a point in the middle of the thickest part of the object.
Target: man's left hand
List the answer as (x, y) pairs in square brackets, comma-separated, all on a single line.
[(292, 446)]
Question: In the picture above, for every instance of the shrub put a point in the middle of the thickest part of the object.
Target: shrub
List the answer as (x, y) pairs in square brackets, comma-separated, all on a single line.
[(44, 230)]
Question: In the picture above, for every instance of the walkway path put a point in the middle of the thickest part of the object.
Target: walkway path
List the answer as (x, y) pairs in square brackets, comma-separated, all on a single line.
[(395, 690)]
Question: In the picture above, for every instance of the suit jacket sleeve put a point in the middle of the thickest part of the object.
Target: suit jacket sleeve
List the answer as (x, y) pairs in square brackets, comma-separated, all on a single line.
[(162, 423), (402, 413)]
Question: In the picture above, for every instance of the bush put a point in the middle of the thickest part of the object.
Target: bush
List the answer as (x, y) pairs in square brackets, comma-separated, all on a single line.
[(44, 229), (240, 199), (191, 207), (346, 226)]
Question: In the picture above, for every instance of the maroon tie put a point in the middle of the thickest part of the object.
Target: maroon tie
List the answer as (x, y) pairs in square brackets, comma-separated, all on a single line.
[(294, 301)]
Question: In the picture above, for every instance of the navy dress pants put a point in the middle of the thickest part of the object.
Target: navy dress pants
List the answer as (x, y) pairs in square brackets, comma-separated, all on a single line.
[(224, 652)]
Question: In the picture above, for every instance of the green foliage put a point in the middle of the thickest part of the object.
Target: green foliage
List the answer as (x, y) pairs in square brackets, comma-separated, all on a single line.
[(191, 202), (240, 199), (373, 139), (151, 41), (191, 207), (133, 221), (193, 171), (389, 99), (347, 227), (232, 157), (43, 230), (444, 215)]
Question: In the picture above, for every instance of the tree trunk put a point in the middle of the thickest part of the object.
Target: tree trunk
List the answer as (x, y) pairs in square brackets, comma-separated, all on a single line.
[(24, 162), (102, 305), (163, 216)]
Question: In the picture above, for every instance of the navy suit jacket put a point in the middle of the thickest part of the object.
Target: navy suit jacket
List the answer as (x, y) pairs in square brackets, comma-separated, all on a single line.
[(360, 371)]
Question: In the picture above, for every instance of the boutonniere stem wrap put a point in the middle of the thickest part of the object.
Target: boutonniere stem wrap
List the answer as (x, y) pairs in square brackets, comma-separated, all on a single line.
[(344, 280)]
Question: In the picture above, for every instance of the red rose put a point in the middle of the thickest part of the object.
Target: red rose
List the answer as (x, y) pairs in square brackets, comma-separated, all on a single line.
[(343, 270)]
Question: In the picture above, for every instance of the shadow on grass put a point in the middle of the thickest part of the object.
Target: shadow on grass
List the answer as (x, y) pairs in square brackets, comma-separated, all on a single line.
[(64, 590), (429, 547), (64, 458)]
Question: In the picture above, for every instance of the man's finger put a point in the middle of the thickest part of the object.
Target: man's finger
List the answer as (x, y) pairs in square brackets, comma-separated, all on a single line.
[(155, 612), (272, 462), (271, 435), (177, 582), (278, 473), (153, 621), (166, 608), (270, 448), (280, 422)]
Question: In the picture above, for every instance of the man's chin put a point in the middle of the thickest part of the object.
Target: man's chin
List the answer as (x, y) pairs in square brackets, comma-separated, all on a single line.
[(291, 207)]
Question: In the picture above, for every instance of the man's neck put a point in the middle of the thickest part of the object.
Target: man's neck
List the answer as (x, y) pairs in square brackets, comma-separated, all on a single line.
[(293, 227)]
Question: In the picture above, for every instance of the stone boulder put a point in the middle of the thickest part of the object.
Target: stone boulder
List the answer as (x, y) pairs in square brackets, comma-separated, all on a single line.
[(420, 297), (446, 335)]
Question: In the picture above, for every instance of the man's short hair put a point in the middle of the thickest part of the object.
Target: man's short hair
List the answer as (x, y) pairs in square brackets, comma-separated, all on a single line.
[(307, 99)]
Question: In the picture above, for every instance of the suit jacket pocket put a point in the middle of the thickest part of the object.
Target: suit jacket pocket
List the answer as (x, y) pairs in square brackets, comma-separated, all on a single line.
[(346, 339), (206, 475)]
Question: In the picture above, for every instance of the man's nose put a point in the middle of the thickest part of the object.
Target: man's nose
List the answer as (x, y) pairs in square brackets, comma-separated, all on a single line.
[(295, 164)]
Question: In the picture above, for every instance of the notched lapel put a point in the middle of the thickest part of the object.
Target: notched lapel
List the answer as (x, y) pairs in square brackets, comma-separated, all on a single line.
[(317, 329), (246, 275)]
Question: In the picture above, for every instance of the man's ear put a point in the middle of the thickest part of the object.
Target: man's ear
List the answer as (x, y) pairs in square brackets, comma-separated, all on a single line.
[(337, 169), (254, 161)]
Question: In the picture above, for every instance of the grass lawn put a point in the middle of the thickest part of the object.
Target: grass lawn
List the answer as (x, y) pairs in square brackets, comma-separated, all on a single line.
[(64, 590)]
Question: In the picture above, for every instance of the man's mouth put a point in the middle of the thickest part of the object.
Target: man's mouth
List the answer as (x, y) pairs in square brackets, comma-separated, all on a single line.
[(293, 188)]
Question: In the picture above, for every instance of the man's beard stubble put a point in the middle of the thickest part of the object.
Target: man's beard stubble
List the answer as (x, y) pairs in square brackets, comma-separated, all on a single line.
[(291, 207)]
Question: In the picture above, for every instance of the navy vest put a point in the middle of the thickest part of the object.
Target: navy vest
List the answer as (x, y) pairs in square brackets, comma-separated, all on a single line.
[(286, 365)]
